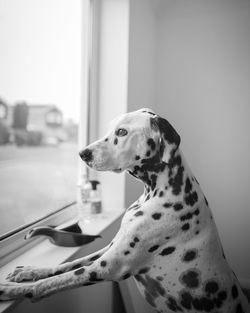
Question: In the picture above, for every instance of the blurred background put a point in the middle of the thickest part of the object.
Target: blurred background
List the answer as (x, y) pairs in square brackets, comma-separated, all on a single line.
[(40, 62)]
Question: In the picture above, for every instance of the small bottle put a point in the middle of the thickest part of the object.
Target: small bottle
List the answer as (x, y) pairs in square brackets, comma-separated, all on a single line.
[(95, 198), (83, 201)]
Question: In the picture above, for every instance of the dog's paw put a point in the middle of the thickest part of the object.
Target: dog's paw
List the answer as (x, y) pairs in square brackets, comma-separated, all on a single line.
[(12, 291), (27, 273)]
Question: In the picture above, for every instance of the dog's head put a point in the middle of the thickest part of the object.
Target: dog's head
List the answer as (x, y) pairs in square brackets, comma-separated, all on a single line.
[(133, 139)]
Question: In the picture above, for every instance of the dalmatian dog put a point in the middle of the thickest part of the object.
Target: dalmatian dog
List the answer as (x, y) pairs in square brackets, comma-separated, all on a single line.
[(168, 239)]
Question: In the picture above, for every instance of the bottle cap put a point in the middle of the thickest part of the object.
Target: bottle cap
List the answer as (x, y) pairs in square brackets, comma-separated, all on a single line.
[(94, 184)]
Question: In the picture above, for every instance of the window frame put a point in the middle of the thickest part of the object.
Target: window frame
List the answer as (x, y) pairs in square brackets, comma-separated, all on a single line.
[(12, 243)]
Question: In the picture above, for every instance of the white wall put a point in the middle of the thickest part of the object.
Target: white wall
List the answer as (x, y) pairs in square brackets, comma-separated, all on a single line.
[(141, 70), (203, 81), (197, 54)]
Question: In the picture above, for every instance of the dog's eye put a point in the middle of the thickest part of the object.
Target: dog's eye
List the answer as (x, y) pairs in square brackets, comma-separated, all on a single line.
[(121, 132)]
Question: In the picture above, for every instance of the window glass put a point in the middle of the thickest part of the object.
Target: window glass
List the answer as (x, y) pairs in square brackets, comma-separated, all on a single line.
[(40, 62)]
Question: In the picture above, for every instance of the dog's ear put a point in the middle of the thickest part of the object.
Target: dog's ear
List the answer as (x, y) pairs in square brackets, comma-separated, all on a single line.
[(169, 139)]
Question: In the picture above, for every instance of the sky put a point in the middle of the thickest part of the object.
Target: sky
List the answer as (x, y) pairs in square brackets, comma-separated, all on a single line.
[(40, 53)]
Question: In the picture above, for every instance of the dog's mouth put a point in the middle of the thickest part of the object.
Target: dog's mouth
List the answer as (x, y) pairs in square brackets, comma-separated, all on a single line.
[(118, 170), (90, 163), (102, 167)]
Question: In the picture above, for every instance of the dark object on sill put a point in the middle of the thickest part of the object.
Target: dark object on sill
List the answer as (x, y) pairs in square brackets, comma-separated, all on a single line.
[(70, 236), (74, 228)]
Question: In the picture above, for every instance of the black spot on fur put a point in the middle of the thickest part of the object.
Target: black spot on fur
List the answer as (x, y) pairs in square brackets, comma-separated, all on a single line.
[(29, 295), (79, 271), (126, 276), (178, 206), (161, 194), (103, 263), (149, 165), (156, 216), (201, 303), (211, 287), (151, 143), (136, 239), (173, 305), (235, 292), (76, 266), (168, 205), (190, 278), (58, 273), (116, 141), (137, 157), (132, 244), (95, 257), (176, 181), (186, 300), (190, 255), (167, 251), (144, 270), (188, 186), (93, 277), (221, 297), (207, 304), (185, 227), (189, 215), (139, 278), (153, 248), (191, 198), (148, 153), (126, 252), (197, 212), (153, 181), (106, 139), (139, 213)]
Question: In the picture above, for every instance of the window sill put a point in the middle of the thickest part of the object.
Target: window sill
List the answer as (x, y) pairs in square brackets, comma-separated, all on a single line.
[(47, 254)]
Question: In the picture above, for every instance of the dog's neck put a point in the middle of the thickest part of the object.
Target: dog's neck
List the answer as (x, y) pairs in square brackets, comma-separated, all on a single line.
[(156, 174)]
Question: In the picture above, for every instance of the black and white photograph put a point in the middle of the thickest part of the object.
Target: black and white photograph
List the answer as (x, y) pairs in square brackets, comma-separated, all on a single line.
[(124, 156)]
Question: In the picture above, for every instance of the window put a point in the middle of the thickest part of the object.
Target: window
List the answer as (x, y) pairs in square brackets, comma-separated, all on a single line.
[(40, 92)]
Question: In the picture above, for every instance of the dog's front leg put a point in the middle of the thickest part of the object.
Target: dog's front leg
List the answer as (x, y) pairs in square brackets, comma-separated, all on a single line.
[(33, 273), (113, 265)]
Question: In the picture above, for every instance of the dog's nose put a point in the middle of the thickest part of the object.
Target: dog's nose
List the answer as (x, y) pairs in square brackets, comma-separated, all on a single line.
[(86, 155)]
